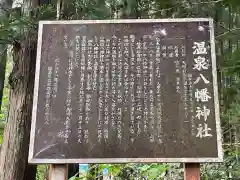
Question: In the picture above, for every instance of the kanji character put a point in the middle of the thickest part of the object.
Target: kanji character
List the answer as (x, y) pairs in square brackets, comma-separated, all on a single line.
[(200, 63), (199, 48), (203, 131), (202, 95), (203, 78), (205, 112)]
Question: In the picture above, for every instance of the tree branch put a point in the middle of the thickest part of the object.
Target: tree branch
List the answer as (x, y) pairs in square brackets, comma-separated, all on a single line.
[(229, 31), (212, 2)]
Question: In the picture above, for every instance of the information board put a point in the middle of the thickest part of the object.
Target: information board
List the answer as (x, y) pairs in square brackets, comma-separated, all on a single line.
[(115, 91)]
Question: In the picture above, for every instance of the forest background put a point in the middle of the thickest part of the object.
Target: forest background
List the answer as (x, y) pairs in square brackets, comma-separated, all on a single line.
[(18, 37)]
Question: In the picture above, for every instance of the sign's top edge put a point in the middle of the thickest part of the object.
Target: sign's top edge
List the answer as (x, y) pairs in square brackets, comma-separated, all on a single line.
[(115, 21)]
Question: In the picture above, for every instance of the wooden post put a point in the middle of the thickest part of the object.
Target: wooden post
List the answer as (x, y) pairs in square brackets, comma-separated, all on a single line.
[(58, 172), (192, 171)]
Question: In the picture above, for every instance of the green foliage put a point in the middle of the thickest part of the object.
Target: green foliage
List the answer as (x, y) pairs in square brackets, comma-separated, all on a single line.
[(5, 99), (13, 28), (88, 9), (10, 28), (42, 172), (154, 171), (230, 168), (125, 171)]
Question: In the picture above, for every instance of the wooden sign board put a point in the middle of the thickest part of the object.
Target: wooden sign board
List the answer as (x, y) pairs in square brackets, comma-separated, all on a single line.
[(116, 91)]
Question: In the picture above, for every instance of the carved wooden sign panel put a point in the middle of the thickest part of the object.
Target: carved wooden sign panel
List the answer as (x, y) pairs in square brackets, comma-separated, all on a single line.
[(114, 91)]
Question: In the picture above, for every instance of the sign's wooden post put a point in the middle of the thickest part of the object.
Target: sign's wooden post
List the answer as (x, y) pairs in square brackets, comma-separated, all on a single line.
[(58, 172), (191, 171)]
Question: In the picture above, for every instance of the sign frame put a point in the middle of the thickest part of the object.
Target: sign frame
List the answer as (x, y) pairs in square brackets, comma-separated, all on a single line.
[(33, 160)]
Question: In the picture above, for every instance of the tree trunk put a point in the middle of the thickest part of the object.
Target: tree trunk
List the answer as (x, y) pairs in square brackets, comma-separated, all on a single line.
[(14, 154)]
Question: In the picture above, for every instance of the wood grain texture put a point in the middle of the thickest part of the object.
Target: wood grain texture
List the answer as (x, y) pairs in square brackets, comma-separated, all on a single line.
[(191, 171), (58, 172)]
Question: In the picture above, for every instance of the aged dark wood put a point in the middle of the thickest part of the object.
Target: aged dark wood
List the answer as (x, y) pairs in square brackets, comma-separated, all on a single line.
[(191, 171), (130, 107), (58, 172)]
